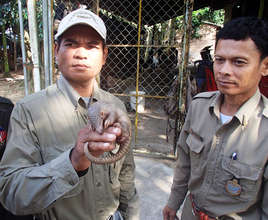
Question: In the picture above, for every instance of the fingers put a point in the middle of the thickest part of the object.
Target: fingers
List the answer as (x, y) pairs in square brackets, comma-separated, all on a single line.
[(100, 143), (98, 148), (169, 214), (97, 144), (109, 135), (116, 130)]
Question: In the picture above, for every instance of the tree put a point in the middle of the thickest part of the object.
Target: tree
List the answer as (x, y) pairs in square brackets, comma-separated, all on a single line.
[(4, 23), (201, 15), (9, 25)]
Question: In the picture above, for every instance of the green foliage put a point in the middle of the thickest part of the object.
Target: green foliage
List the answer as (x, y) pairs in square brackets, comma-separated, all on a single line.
[(206, 14), (201, 15), (9, 16)]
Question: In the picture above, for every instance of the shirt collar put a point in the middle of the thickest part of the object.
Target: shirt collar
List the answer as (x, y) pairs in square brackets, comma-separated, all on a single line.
[(96, 92), (244, 112), (215, 104), (73, 96)]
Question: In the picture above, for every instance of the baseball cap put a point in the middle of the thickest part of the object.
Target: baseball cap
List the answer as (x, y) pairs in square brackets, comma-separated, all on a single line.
[(82, 16)]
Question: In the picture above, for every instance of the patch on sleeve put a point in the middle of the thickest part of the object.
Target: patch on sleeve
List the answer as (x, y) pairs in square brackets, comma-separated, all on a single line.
[(3, 136)]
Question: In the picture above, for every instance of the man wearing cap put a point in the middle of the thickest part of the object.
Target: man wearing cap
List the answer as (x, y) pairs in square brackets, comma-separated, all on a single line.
[(44, 170)]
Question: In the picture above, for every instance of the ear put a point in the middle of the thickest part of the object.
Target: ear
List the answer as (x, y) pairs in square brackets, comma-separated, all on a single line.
[(56, 49), (264, 66), (56, 52), (105, 54)]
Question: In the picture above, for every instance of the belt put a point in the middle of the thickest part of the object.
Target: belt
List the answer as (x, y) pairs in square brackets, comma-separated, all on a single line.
[(201, 215)]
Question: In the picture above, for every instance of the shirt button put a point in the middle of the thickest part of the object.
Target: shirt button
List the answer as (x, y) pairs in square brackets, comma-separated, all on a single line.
[(98, 184)]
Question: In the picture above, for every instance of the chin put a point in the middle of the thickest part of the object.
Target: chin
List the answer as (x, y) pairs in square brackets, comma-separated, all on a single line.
[(227, 91)]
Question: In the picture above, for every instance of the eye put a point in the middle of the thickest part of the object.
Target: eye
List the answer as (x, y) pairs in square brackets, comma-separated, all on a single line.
[(92, 46), (68, 44), (218, 60), (239, 62)]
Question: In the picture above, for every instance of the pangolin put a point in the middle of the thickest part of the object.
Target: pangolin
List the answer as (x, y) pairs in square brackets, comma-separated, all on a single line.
[(101, 115)]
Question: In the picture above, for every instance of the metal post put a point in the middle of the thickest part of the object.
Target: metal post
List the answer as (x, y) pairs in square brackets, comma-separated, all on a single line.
[(185, 48), (96, 10), (183, 70), (138, 69), (31, 6), (23, 49), (46, 43), (50, 40)]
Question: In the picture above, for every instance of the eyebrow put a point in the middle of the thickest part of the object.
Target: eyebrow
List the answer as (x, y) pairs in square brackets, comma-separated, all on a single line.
[(237, 57), (70, 40), (94, 42)]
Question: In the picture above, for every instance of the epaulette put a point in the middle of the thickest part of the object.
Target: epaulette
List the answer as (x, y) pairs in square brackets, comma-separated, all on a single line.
[(205, 95)]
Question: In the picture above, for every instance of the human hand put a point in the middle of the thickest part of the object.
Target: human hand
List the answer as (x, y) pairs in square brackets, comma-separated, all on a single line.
[(169, 214), (97, 145)]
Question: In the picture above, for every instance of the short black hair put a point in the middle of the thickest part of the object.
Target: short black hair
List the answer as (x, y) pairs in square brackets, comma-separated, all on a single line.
[(243, 28)]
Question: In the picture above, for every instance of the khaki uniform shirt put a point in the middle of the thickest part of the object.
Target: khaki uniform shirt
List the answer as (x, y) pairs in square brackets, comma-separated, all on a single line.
[(36, 174), (205, 163)]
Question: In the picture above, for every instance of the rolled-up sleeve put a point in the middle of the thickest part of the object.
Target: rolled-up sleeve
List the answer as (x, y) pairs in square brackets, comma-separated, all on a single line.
[(27, 185)]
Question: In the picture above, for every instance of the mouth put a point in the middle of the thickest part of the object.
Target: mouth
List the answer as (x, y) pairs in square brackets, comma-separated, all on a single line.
[(80, 66), (225, 82)]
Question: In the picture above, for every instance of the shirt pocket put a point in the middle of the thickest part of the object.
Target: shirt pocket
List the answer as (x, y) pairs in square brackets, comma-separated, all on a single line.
[(248, 177), (196, 146)]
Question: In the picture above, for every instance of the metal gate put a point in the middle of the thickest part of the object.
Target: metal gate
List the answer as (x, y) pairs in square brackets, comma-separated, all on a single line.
[(146, 52)]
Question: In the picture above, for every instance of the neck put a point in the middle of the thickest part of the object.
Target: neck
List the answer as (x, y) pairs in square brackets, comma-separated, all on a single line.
[(84, 89), (231, 104)]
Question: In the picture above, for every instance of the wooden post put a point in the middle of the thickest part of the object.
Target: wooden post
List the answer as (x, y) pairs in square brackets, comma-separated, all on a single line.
[(96, 10), (228, 12), (31, 7), (261, 9)]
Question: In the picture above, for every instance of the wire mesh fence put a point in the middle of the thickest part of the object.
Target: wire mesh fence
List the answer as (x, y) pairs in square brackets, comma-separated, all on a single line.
[(143, 38)]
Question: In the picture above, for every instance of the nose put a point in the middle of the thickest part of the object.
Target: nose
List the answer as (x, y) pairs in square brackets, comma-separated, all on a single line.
[(81, 53), (225, 68)]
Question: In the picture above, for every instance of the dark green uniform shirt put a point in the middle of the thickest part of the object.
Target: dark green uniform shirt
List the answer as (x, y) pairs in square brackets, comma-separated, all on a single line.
[(36, 174)]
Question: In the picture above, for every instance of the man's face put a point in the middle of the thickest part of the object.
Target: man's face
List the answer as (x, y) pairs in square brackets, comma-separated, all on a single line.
[(80, 55), (237, 67)]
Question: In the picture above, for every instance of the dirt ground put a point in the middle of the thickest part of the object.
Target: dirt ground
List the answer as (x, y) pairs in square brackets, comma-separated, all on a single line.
[(12, 87)]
